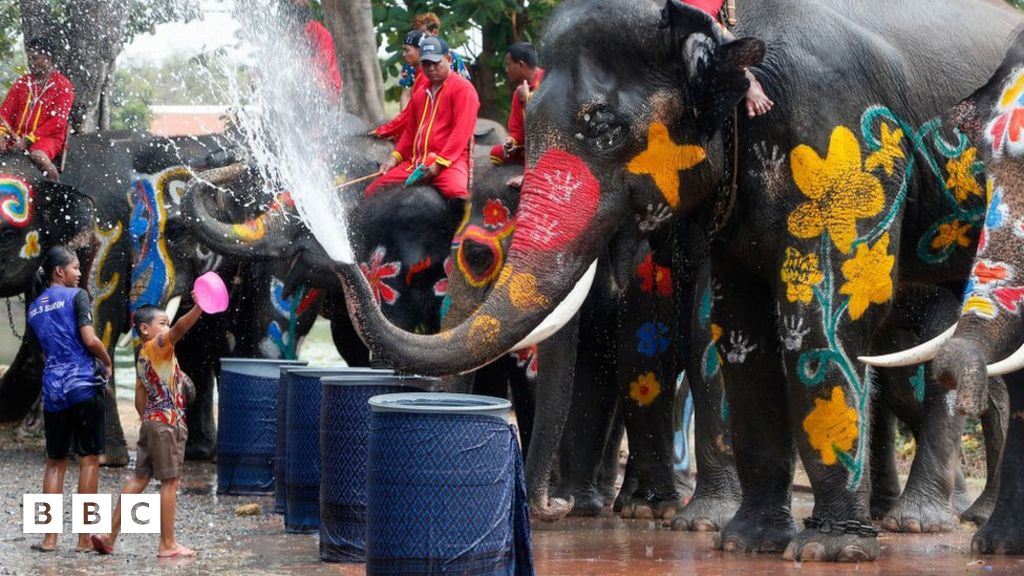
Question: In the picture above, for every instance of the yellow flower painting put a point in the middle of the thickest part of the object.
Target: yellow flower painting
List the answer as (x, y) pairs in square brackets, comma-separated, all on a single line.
[(839, 189), (868, 276), (952, 233), (800, 272), (831, 426), (961, 179), (645, 389), (885, 157)]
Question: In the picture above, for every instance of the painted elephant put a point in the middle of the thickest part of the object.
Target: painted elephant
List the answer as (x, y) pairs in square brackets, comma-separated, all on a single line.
[(636, 120), (624, 356), (87, 211), (990, 327), (261, 321)]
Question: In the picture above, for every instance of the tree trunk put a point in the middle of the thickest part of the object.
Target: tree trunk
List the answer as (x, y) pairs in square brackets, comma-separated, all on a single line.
[(485, 75), (351, 24), (86, 47)]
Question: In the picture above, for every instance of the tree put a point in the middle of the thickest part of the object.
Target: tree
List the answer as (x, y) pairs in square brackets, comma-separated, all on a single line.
[(351, 24), (88, 35), (499, 22)]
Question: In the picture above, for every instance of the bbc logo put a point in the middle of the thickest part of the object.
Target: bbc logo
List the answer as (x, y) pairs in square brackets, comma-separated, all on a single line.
[(90, 513)]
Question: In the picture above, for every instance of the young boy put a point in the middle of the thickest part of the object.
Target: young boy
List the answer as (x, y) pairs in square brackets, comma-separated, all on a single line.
[(160, 399)]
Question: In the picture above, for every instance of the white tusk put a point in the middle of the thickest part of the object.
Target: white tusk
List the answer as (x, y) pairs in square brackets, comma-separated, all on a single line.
[(125, 340), (1012, 363), (172, 307), (916, 355), (564, 312)]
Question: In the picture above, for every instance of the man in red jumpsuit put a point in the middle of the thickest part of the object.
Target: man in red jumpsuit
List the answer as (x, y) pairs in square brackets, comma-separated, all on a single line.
[(443, 119), (522, 72), (319, 46), (34, 115)]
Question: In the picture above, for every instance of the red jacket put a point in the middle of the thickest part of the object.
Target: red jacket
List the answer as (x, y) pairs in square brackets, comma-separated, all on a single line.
[(40, 112), (325, 61), (395, 127), (441, 123), (712, 7), (517, 116)]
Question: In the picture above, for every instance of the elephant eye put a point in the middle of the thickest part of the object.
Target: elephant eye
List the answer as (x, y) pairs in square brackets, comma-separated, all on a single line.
[(601, 127)]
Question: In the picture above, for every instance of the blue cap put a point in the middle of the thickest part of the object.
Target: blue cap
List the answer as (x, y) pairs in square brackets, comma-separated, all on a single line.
[(433, 49)]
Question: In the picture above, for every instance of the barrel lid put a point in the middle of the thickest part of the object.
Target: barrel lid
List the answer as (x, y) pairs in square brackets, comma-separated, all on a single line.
[(324, 371), (381, 378), (442, 403), (257, 367)]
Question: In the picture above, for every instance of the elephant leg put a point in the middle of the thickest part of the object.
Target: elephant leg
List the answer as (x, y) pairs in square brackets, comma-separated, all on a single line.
[(648, 372), (993, 424), (716, 496), (198, 355), (885, 480), (590, 430), (115, 453), (346, 339), (1004, 531), (758, 417), (925, 504), (553, 386), (21, 384)]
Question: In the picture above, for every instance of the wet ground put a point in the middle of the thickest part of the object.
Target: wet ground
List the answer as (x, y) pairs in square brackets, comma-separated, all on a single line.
[(230, 544)]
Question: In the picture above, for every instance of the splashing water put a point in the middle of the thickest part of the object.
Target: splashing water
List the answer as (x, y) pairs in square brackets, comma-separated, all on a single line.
[(290, 126)]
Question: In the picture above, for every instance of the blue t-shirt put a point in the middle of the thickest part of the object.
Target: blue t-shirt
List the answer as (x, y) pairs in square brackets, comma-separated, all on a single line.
[(69, 375)]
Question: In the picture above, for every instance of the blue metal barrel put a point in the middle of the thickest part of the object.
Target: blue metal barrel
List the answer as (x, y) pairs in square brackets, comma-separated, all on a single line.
[(344, 428), (247, 424), (301, 428), (445, 488)]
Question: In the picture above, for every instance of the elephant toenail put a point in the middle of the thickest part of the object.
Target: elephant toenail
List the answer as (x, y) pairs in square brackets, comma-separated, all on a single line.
[(703, 525), (913, 526), (854, 554), (813, 552), (790, 552), (733, 544)]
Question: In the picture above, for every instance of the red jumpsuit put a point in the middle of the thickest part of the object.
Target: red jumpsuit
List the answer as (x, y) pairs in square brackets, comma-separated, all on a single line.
[(516, 128), (443, 124), (40, 112), (325, 61), (394, 128)]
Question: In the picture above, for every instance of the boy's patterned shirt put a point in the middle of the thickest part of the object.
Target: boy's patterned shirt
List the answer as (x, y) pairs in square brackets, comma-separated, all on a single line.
[(158, 372)]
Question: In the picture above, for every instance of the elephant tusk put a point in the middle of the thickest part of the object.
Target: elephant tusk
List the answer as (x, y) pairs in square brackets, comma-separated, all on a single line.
[(1011, 363), (125, 339), (916, 355), (172, 307), (562, 313)]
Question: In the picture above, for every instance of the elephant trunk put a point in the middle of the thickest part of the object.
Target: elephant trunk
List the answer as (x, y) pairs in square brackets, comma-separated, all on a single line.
[(265, 236), (543, 282), (963, 362)]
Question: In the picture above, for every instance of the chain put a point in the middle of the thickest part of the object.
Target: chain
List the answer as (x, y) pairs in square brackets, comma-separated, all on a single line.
[(10, 319), (855, 527)]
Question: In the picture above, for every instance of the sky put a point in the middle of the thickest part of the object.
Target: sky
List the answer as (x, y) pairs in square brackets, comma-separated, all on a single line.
[(216, 28)]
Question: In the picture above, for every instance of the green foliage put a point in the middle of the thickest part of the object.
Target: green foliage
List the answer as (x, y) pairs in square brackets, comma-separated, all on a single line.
[(500, 22), (146, 14)]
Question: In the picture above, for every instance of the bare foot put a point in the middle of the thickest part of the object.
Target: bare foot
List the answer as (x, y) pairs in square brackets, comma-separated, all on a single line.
[(101, 544), (758, 102), (178, 552)]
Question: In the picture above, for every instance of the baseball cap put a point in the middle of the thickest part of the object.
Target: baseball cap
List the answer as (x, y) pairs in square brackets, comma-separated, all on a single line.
[(413, 38), (432, 49)]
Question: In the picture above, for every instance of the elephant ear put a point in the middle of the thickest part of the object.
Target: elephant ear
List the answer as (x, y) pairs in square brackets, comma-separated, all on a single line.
[(714, 66), (67, 216)]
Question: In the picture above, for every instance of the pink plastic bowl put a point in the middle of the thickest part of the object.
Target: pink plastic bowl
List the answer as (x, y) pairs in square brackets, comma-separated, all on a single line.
[(211, 293)]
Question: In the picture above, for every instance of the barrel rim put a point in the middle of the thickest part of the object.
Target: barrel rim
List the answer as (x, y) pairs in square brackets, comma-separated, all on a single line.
[(440, 403), (329, 371), (378, 380)]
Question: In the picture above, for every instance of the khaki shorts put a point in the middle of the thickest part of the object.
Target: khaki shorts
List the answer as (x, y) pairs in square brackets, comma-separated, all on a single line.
[(161, 450)]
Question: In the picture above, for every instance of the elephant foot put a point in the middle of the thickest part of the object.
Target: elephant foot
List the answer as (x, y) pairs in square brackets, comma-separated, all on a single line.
[(589, 503), (200, 451), (999, 536), (115, 457), (981, 510), (916, 513), (551, 509), (705, 514), (812, 545), (756, 533), (882, 501), (650, 505)]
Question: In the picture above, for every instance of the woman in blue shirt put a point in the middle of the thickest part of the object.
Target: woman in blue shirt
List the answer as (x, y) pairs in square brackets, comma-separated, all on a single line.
[(60, 320)]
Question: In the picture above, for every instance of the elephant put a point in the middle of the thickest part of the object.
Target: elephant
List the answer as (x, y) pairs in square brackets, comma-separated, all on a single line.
[(624, 359), (261, 321), (85, 211), (988, 334), (811, 226)]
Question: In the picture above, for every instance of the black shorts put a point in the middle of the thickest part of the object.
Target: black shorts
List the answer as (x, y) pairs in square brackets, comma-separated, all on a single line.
[(85, 422)]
